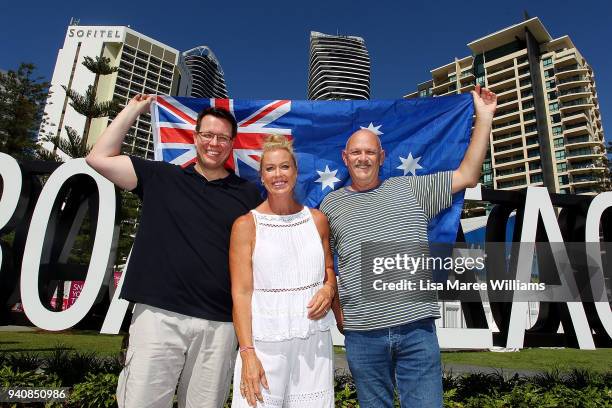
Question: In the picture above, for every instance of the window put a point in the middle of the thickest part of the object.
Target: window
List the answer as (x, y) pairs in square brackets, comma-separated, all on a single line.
[(480, 80), (488, 178), (552, 95), (528, 104), (547, 62), (557, 130), (561, 167), (549, 73), (531, 128), (533, 153), (452, 78), (423, 93), (553, 107), (526, 93), (535, 165), (556, 118), (535, 178), (558, 142), (563, 179), (550, 84), (529, 116), (560, 155)]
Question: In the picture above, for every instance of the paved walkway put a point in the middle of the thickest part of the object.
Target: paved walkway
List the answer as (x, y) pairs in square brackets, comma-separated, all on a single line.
[(17, 329)]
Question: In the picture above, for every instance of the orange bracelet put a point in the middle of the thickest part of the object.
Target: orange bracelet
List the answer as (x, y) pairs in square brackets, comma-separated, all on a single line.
[(245, 348)]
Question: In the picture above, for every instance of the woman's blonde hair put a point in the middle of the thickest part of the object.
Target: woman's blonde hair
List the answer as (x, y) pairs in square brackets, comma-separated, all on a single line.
[(275, 142)]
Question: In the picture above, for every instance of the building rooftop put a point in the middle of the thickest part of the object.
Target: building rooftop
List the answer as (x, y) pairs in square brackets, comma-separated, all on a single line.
[(509, 34)]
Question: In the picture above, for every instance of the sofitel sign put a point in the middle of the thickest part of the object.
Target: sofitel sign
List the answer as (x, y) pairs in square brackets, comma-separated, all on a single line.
[(94, 33), (45, 221)]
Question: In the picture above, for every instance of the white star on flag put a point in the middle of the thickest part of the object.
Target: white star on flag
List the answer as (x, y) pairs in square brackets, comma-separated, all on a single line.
[(327, 178), (373, 129), (409, 164)]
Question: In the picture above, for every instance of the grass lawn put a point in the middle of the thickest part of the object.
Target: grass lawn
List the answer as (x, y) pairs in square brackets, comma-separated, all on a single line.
[(535, 359), (526, 359), (77, 340)]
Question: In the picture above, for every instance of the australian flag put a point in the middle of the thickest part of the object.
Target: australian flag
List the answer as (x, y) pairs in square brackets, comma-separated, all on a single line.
[(420, 136)]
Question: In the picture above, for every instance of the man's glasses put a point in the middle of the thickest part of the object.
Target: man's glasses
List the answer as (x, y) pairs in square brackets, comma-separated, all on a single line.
[(223, 140)]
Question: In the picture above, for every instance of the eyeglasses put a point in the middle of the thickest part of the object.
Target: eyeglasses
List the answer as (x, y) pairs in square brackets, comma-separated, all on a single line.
[(223, 140)]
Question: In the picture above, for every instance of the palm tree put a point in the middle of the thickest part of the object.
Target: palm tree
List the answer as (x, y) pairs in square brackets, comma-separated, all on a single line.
[(86, 104), (72, 146)]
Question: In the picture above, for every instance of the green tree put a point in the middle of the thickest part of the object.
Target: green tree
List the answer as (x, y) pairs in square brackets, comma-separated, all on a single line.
[(86, 103), (22, 101)]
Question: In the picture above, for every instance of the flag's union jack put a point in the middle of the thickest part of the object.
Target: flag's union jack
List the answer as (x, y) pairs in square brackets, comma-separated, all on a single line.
[(420, 136)]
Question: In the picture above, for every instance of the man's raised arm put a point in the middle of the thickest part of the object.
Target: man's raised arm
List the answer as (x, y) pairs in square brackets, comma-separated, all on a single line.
[(468, 173), (105, 155)]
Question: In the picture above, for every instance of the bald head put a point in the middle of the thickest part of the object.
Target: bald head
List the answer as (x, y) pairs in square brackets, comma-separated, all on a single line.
[(363, 136), (363, 157)]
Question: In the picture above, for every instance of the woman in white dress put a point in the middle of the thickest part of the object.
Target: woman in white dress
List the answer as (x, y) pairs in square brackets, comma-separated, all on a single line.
[(283, 285)]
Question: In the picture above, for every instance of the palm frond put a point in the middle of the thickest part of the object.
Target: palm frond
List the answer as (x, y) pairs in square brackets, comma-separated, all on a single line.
[(100, 66)]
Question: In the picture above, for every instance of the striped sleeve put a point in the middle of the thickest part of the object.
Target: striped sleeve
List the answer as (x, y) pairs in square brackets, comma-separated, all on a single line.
[(433, 191)]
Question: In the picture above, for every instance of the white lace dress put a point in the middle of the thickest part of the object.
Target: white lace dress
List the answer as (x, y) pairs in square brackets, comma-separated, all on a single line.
[(296, 352)]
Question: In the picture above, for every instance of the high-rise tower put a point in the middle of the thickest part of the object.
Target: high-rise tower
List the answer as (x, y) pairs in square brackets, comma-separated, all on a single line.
[(206, 74), (339, 67), (547, 129)]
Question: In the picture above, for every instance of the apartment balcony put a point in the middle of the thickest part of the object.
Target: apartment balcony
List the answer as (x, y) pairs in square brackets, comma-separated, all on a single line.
[(506, 138), (573, 81), (467, 78), (584, 153), (582, 141), (574, 93), (566, 60), (575, 105), (496, 72), (508, 91), (441, 86), (506, 126), (467, 88), (505, 115), (569, 71), (575, 118), (501, 83), (510, 100), (510, 174), (512, 184), (586, 167), (501, 163), (508, 152), (585, 181), (577, 129)]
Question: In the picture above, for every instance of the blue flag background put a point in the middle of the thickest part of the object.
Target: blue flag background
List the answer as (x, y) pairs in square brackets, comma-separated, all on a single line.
[(420, 136)]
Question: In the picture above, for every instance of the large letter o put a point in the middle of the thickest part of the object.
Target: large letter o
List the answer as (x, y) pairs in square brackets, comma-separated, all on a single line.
[(35, 311)]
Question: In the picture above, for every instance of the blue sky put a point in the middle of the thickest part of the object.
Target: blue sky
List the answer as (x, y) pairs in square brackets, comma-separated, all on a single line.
[(263, 46)]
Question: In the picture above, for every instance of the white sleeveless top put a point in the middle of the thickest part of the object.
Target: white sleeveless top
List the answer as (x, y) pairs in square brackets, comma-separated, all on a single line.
[(288, 269)]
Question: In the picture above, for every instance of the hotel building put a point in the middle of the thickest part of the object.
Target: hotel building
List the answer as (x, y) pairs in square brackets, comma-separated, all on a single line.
[(547, 130), (144, 66)]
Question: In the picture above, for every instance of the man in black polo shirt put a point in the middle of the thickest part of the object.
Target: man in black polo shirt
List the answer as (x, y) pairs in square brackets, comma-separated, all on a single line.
[(178, 275)]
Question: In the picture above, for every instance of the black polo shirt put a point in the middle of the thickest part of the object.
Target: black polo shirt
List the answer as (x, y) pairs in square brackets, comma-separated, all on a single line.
[(180, 258)]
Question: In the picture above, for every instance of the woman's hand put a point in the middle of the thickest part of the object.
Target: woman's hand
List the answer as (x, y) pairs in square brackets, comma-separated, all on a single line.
[(321, 302), (252, 376)]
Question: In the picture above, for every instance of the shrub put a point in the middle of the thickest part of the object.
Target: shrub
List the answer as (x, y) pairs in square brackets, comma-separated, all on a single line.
[(98, 391)]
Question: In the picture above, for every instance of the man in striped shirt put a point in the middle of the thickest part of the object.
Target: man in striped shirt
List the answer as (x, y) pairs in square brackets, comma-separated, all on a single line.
[(390, 342)]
